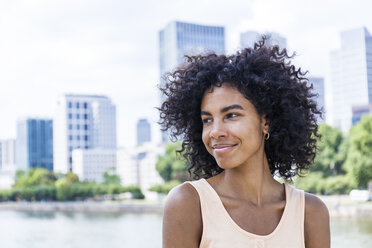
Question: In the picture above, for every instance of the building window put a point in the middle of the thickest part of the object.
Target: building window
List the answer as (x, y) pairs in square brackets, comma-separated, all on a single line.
[(77, 105), (85, 116), (86, 137), (78, 127), (69, 104), (85, 105), (85, 126), (78, 137), (70, 148), (70, 116), (70, 126), (77, 116), (70, 137), (86, 147)]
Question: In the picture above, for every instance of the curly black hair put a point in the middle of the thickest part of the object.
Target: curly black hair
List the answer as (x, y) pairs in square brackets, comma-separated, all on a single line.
[(265, 76)]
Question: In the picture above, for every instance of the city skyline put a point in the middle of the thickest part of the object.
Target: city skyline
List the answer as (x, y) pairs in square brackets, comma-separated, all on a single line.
[(110, 48)]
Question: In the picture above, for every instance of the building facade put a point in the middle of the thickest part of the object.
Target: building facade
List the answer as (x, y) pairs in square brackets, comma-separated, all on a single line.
[(82, 122), (360, 111), (7, 155), (248, 38), (143, 131), (138, 167), (318, 89), (178, 39), (90, 165), (351, 76), (34, 144)]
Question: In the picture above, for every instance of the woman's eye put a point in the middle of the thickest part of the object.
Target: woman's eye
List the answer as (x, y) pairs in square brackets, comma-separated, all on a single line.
[(232, 115), (206, 120)]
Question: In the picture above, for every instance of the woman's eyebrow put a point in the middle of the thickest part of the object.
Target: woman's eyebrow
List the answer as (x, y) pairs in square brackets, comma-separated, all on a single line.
[(225, 109), (234, 106)]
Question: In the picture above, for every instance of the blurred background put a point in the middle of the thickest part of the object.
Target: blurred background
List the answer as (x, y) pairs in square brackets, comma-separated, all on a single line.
[(83, 162)]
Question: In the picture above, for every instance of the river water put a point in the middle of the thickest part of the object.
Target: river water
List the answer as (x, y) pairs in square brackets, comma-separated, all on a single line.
[(87, 230)]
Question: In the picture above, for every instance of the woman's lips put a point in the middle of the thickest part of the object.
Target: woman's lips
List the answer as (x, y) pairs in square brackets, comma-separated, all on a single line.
[(222, 148)]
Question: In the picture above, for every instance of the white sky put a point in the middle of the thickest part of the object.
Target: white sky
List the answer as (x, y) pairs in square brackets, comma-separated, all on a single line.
[(110, 47)]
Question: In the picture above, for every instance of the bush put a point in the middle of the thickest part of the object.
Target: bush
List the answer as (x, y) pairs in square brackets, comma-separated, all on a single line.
[(166, 187), (342, 184), (135, 191)]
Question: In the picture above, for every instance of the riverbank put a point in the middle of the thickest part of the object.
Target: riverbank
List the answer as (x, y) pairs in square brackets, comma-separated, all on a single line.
[(89, 206), (339, 206)]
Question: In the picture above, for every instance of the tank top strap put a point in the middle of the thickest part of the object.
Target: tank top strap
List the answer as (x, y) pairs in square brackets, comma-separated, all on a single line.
[(209, 200), (296, 207)]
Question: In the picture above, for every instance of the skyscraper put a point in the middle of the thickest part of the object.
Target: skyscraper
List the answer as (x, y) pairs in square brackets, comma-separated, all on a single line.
[(318, 88), (34, 144), (143, 131), (351, 76), (82, 122), (247, 39), (178, 39)]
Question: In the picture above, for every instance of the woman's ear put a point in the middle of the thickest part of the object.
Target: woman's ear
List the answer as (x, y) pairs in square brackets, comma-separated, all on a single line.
[(265, 123)]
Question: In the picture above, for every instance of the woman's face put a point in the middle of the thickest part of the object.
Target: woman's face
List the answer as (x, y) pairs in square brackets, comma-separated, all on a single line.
[(233, 132)]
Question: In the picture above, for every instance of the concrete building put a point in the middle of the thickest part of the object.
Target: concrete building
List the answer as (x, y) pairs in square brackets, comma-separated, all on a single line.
[(34, 143), (138, 167), (82, 122), (351, 77), (318, 88), (7, 163), (7, 155), (247, 39), (143, 131), (90, 165)]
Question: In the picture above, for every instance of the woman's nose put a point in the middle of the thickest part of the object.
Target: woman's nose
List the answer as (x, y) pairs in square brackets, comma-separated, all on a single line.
[(218, 130)]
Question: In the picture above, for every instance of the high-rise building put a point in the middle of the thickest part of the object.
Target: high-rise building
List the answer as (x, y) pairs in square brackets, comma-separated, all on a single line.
[(351, 76), (143, 131), (178, 39), (7, 155), (82, 122), (247, 39), (34, 144), (318, 88)]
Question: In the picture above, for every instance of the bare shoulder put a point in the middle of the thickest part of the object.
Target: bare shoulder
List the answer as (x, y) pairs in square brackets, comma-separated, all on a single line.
[(317, 232), (315, 206), (182, 223)]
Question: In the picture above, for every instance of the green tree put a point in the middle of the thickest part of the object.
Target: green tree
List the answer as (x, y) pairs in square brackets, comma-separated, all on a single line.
[(172, 166), (109, 178), (65, 191), (359, 157), (331, 152), (34, 177)]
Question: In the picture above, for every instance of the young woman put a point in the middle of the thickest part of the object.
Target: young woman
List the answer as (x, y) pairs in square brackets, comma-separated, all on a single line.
[(243, 119)]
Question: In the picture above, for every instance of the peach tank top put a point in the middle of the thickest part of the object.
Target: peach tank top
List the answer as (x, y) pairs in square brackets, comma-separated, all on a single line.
[(221, 231)]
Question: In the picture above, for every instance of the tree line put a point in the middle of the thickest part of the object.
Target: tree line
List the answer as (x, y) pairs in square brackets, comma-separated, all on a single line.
[(43, 185)]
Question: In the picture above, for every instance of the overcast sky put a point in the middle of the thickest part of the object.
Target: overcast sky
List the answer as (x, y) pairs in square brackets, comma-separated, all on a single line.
[(49, 47)]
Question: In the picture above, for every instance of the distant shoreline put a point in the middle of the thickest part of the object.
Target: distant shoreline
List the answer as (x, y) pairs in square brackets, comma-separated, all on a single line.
[(98, 207), (338, 206)]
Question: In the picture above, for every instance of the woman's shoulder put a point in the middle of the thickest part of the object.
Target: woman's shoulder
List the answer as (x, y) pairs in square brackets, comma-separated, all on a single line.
[(317, 231), (183, 196), (182, 223), (314, 206)]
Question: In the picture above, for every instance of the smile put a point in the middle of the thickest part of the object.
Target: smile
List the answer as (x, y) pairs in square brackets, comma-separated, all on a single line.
[(222, 148)]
